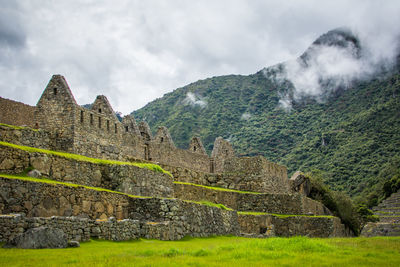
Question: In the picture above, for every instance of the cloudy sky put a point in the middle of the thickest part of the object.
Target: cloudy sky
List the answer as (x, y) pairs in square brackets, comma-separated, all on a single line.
[(136, 51)]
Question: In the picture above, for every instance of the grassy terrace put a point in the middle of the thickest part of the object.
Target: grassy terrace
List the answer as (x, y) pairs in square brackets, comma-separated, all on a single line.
[(204, 202), (150, 166), (216, 251), (18, 127), (53, 182)]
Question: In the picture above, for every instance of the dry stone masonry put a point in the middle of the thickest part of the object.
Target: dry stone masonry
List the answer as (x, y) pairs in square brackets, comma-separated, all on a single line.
[(122, 202), (388, 212)]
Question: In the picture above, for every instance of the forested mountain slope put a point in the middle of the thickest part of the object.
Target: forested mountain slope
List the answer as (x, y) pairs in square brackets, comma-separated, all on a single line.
[(350, 132)]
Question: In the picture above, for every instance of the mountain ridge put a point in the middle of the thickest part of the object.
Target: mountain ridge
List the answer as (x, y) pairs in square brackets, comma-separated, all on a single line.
[(348, 128)]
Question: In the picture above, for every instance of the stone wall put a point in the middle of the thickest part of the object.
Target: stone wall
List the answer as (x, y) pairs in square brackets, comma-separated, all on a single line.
[(35, 199), (81, 229), (274, 183), (191, 218), (104, 136), (55, 112), (122, 178), (222, 151), (269, 225), (257, 174), (45, 200), (270, 203), (27, 137), (16, 113), (167, 155)]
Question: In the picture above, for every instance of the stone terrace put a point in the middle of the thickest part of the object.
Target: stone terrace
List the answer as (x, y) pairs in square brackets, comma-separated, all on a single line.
[(388, 212)]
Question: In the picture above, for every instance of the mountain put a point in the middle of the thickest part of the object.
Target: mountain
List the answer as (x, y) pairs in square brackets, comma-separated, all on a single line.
[(305, 114)]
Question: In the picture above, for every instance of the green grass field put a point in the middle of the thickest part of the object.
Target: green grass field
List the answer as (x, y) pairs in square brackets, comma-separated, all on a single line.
[(216, 251)]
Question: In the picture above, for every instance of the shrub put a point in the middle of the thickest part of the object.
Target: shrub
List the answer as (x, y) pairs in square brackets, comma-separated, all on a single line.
[(338, 203)]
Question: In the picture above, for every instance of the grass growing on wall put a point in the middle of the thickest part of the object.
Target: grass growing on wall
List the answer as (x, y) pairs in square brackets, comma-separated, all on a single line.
[(210, 204), (53, 182), (219, 188), (150, 166), (216, 251), (283, 215), (18, 127)]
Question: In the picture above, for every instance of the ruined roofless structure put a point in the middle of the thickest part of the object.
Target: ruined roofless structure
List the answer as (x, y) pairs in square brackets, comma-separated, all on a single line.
[(169, 208)]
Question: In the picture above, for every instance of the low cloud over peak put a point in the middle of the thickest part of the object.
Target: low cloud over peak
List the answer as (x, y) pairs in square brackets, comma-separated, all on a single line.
[(334, 61)]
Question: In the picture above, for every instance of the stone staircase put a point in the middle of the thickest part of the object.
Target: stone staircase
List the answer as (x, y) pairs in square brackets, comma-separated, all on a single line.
[(388, 212)]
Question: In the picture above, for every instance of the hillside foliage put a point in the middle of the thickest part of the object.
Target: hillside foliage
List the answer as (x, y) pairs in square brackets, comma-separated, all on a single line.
[(351, 137)]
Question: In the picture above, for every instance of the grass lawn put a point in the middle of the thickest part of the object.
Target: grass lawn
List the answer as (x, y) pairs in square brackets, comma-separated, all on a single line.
[(217, 251)]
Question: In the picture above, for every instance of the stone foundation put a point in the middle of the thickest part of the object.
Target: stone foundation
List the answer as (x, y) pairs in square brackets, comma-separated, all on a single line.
[(80, 229), (35, 199), (312, 226)]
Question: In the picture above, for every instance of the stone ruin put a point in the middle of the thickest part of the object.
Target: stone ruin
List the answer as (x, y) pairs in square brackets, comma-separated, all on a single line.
[(129, 202)]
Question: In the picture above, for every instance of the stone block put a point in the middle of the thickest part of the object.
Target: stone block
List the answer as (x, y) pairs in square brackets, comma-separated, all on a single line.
[(99, 207), (86, 205), (7, 164), (41, 163)]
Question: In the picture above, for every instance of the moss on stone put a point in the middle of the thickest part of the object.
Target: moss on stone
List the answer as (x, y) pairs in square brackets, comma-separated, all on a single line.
[(150, 166)]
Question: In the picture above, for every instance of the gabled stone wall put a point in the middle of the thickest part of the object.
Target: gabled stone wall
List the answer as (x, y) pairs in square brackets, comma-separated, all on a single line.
[(55, 111)]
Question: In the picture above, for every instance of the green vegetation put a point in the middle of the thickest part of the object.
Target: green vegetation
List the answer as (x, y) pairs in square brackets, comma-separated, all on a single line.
[(219, 188), (150, 166), (388, 182), (282, 215), (18, 127), (216, 251), (210, 204), (337, 202), (350, 137)]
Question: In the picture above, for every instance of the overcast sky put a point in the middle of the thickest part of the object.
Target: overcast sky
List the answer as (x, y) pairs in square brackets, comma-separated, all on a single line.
[(136, 51)]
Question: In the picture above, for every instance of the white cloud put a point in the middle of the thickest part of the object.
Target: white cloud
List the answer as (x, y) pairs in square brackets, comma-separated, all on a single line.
[(245, 116), (135, 51), (194, 100)]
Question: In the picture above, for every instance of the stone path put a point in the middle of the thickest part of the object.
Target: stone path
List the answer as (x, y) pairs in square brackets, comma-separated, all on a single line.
[(388, 212)]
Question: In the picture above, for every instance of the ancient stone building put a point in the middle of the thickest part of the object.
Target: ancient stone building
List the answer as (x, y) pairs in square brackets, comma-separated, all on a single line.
[(155, 205)]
